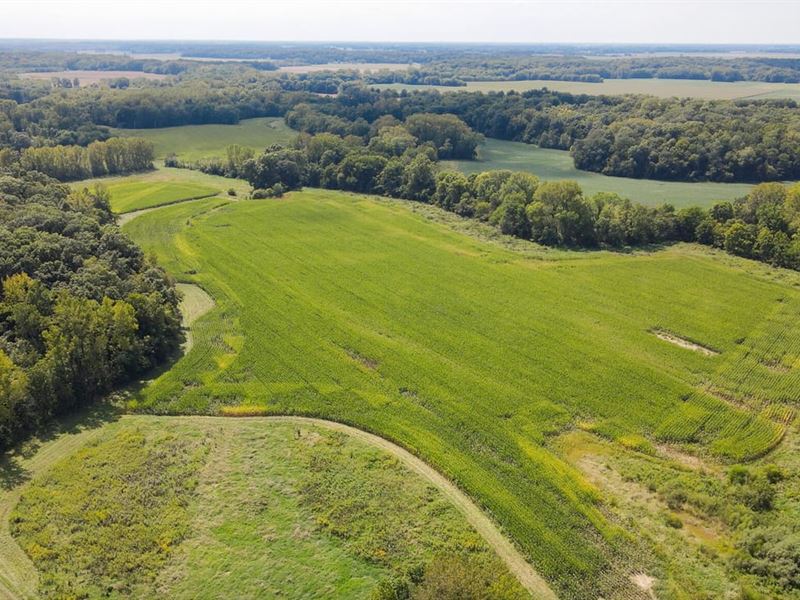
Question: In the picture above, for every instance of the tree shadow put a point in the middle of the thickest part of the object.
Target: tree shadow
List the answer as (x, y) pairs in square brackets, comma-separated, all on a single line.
[(13, 472)]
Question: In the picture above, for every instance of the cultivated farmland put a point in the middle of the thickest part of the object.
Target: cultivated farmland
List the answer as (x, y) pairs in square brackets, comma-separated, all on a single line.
[(477, 356), (195, 142), (162, 186), (557, 164), (663, 88)]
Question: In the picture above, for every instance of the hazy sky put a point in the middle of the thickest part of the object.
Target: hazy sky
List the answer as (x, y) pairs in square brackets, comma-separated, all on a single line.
[(706, 21)]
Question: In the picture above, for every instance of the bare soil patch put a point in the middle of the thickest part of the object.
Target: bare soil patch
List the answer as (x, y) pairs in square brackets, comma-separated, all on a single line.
[(683, 342)]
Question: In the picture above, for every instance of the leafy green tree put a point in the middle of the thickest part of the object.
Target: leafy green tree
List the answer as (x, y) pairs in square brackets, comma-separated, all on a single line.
[(740, 238), (511, 217), (559, 215), (451, 137), (419, 179), (452, 188)]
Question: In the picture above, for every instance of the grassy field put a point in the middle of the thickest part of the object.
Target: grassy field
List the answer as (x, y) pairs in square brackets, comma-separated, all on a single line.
[(162, 186), (664, 88), (193, 142), (557, 164), (203, 508), (477, 357)]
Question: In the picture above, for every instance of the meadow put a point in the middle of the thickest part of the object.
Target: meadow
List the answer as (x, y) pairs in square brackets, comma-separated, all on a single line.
[(199, 508), (478, 356), (557, 164), (663, 88), (195, 142)]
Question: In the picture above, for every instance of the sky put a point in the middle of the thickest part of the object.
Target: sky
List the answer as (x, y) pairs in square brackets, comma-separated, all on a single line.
[(531, 21)]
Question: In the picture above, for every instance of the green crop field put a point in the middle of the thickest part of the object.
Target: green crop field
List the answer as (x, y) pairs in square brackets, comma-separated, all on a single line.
[(135, 195), (193, 142), (205, 508), (162, 186), (477, 355), (664, 88), (557, 164)]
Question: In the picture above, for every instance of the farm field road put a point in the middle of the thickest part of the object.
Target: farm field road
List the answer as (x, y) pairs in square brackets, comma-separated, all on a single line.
[(506, 550), (18, 578)]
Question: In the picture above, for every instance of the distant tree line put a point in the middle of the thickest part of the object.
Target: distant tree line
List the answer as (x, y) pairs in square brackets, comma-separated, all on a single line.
[(81, 309), (457, 70), (627, 136)]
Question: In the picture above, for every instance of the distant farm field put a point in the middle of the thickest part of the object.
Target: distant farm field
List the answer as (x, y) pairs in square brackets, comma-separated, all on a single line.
[(664, 88), (162, 186), (135, 195), (91, 77), (478, 356), (194, 142), (357, 66), (558, 164)]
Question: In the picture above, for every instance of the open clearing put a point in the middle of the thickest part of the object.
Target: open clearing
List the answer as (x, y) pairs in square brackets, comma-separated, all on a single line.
[(557, 164), (91, 77), (195, 142), (269, 507), (362, 311), (663, 88)]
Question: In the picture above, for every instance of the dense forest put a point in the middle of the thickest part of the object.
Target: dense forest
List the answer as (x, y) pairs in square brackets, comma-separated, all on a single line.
[(456, 72), (627, 136), (82, 311)]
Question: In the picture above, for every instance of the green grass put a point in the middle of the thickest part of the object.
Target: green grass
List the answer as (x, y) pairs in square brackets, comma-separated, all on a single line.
[(206, 508), (136, 195), (664, 88), (557, 164), (194, 142), (162, 186), (474, 355)]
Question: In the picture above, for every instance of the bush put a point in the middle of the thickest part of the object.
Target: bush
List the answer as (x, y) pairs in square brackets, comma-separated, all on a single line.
[(673, 521)]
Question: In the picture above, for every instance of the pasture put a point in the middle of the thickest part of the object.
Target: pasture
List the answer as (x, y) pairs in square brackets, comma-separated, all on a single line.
[(557, 164), (195, 142), (663, 88), (204, 508), (477, 355)]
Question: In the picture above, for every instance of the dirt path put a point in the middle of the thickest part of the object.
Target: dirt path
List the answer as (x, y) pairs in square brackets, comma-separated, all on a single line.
[(507, 552), (195, 303)]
